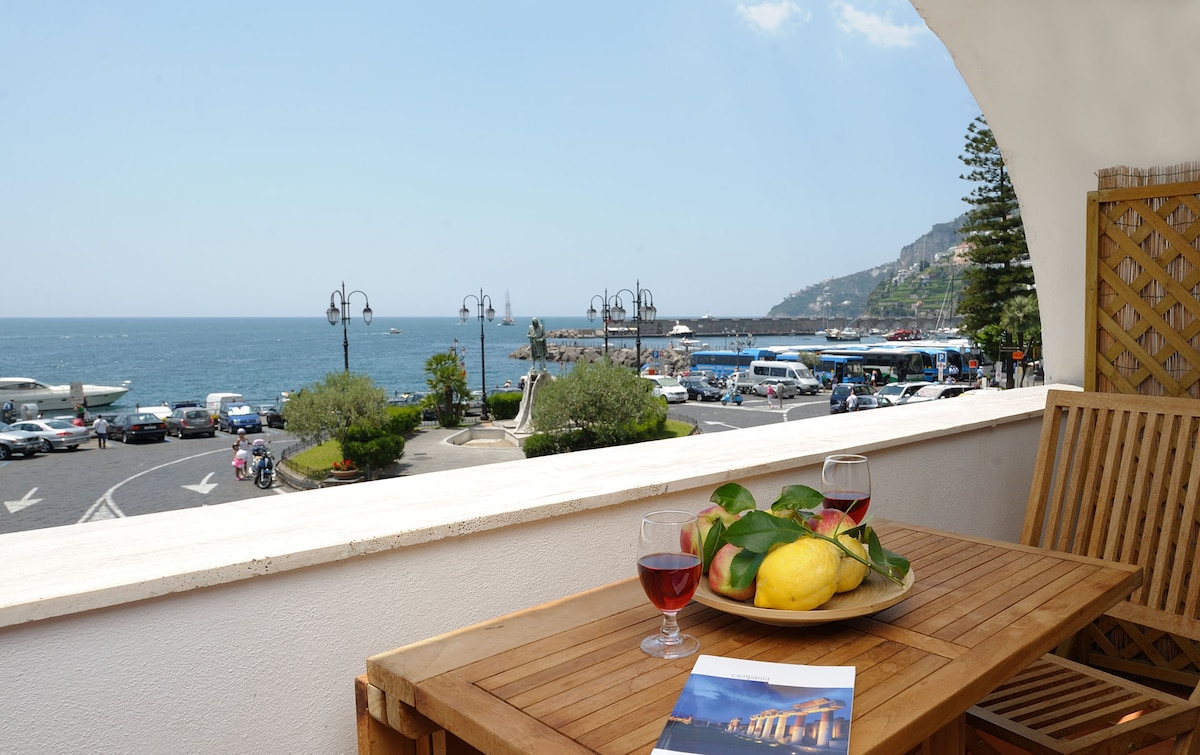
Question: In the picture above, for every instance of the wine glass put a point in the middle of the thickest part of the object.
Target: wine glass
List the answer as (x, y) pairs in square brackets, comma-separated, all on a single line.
[(846, 485), (669, 568)]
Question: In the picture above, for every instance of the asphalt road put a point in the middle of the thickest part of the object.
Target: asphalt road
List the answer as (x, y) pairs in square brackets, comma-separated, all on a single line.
[(70, 487), (90, 484)]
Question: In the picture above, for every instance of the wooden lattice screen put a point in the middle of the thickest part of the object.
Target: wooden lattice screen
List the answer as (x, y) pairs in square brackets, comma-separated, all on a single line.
[(1143, 278)]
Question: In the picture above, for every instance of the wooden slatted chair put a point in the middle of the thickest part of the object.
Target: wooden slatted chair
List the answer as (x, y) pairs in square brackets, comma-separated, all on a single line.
[(1117, 478)]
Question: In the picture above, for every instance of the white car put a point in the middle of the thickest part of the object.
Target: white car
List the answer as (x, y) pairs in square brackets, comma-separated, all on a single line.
[(668, 387), (899, 393), (936, 391)]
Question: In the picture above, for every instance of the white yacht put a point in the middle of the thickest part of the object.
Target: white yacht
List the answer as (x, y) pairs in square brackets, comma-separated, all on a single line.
[(23, 390)]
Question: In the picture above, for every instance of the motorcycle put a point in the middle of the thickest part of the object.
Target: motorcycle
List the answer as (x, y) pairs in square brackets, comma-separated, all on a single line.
[(263, 466)]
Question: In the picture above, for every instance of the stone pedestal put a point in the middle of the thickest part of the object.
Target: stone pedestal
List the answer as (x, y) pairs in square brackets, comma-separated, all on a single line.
[(533, 380)]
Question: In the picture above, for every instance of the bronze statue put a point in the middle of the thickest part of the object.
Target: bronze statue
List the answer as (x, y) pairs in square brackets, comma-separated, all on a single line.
[(537, 343)]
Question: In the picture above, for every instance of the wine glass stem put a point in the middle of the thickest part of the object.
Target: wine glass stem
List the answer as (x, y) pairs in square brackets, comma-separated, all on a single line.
[(669, 634)]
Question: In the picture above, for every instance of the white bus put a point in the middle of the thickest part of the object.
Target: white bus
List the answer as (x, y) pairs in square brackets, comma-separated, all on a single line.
[(759, 371)]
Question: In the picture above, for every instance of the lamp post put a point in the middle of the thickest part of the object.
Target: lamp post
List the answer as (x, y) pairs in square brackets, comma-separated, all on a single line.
[(643, 310), (605, 313), (481, 302), (341, 311)]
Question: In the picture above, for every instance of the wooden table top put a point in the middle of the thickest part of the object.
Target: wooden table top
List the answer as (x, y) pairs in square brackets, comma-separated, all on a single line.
[(569, 677)]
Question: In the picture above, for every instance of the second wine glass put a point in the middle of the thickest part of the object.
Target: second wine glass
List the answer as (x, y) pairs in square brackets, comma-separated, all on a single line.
[(669, 569), (846, 485)]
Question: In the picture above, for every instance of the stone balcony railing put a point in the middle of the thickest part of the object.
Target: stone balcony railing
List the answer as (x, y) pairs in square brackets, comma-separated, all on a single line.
[(240, 628)]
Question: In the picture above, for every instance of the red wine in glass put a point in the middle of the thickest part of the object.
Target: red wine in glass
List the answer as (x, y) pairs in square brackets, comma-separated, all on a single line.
[(854, 505), (669, 579)]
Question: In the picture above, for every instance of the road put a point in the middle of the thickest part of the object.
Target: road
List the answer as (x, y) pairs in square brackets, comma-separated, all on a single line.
[(91, 484)]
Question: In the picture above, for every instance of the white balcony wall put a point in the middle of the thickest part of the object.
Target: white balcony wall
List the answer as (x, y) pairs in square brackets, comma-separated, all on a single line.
[(240, 628)]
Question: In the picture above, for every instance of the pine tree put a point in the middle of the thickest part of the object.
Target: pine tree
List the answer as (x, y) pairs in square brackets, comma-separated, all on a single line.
[(999, 256)]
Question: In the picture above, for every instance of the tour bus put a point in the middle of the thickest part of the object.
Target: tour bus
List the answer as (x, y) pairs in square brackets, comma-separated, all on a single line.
[(835, 368), (760, 370), (886, 364), (725, 363)]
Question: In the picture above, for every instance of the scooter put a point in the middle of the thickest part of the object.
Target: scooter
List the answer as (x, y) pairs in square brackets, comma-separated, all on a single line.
[(264, 467), (731, 396)]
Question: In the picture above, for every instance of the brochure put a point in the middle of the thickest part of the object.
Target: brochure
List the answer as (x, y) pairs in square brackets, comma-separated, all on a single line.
[(730, 706)]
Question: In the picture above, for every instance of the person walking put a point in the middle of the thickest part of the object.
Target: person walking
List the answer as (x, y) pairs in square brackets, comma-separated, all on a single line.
[(6, 413), (770, 397), (100, 427), (241, 455), (852, 401)]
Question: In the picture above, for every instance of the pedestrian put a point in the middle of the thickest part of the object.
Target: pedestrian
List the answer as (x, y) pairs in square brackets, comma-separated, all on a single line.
[(100, 427), (770, 396), (6, 413), (241, 455), (852, 401)]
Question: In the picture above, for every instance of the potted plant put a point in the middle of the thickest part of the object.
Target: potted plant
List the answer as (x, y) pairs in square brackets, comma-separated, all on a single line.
[(344, 470)]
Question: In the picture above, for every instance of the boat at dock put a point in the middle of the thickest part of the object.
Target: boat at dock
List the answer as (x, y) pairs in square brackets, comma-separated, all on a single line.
[(23, 390), (845, 334)]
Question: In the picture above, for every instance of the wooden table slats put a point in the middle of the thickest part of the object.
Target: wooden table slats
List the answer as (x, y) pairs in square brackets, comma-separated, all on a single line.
[(569, 677)]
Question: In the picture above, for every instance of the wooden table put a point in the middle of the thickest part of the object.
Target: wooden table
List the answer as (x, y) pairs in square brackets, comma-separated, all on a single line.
[(569, 677)]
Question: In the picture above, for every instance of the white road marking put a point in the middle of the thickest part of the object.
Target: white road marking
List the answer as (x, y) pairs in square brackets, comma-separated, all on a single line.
[(721, 424), (15, 506), (205, 487), (105, 508)]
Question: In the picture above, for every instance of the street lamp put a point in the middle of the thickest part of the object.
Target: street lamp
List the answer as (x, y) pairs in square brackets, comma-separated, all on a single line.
[(643, 310), (341, 311), (481, 302), (606, 304)]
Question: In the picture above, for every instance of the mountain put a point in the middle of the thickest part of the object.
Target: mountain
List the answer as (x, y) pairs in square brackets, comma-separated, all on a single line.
[(850, 295)]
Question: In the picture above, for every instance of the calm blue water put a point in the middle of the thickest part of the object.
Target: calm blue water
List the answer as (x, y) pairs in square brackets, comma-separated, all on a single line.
[(166, 359)]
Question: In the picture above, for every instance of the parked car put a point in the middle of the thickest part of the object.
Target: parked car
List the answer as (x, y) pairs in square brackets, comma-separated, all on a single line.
[(137, 426), (274, 415), (668, 387), (785, 387), (839, 393), (873, 401), (188, 421), (936, 391), (234, 417), (899, 393), (700, 389), (55, 434), (14, 441)]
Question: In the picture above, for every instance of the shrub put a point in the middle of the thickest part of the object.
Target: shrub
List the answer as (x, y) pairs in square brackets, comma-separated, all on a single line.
[(541, 444), (504, 405), (372, 448), (402, 420)]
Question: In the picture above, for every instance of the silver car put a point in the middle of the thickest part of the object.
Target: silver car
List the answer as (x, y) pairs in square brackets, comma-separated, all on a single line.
[(14, 441), (55, 434)]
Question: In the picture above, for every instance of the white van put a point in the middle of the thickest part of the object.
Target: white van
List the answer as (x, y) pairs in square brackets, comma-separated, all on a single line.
[(759, 371), (215, 401)]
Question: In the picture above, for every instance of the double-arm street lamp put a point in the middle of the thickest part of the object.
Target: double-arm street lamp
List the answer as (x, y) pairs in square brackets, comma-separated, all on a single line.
[(339, 309), (643, 311), (483, 305), (606, 309)]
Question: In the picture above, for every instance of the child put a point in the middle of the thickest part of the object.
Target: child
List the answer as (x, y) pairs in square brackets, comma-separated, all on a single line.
[(239, 461)]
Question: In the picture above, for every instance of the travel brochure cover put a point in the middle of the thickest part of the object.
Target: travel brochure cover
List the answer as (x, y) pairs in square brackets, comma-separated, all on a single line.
[(730, 706)]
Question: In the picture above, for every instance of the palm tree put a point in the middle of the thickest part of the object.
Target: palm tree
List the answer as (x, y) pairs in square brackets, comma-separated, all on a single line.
[(1020, 315)]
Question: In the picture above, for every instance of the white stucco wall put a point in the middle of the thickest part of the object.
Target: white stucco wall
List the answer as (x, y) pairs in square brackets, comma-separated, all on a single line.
[(240, 628), (1070, 87)]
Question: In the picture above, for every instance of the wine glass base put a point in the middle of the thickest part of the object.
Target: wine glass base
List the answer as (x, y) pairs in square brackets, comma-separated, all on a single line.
[(655, 647)]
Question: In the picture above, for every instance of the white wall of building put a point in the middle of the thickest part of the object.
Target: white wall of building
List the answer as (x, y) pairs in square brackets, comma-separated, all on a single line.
[(1069, 88)]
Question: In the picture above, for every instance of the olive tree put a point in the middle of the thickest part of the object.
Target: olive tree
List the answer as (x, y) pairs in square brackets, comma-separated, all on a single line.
[(329, 408), (604, 402)]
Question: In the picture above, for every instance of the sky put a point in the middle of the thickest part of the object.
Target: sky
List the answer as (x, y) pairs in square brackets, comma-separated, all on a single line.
[(246, 159)]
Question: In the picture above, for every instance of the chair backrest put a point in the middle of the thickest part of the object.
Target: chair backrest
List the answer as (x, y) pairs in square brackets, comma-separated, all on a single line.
[(1117, 478)]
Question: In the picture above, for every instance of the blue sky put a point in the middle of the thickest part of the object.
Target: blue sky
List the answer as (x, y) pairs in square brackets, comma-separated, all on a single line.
[(242, 159)]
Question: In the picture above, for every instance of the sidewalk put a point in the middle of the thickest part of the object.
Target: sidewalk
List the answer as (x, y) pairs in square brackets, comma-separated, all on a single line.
[(427, 451)]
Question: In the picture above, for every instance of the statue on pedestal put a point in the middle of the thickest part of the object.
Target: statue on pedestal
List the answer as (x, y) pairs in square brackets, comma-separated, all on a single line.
[(537, 344)]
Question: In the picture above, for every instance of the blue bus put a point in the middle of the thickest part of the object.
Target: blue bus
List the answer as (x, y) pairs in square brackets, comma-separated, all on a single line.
[(889, 364), (725, 363), (839, 368)]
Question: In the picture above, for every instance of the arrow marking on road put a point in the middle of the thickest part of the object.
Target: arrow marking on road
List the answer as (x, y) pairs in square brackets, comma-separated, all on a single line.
[(15, 506), (205, 487)]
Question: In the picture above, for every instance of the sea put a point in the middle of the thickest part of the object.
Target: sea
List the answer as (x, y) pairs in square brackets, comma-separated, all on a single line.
[(171, 359)]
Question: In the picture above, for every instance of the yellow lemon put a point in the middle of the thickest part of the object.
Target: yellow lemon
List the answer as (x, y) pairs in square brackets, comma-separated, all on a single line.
[(798, 576), (851, 573)]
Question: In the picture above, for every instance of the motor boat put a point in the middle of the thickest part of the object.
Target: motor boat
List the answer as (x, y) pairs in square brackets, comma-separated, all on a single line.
[(23, 390)]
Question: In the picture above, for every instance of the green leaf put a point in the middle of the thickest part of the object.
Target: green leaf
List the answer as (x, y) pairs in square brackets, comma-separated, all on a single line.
[(888, 563), (733, 498), (757, 531), (744, 567), (712, 543), (797, 498)]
